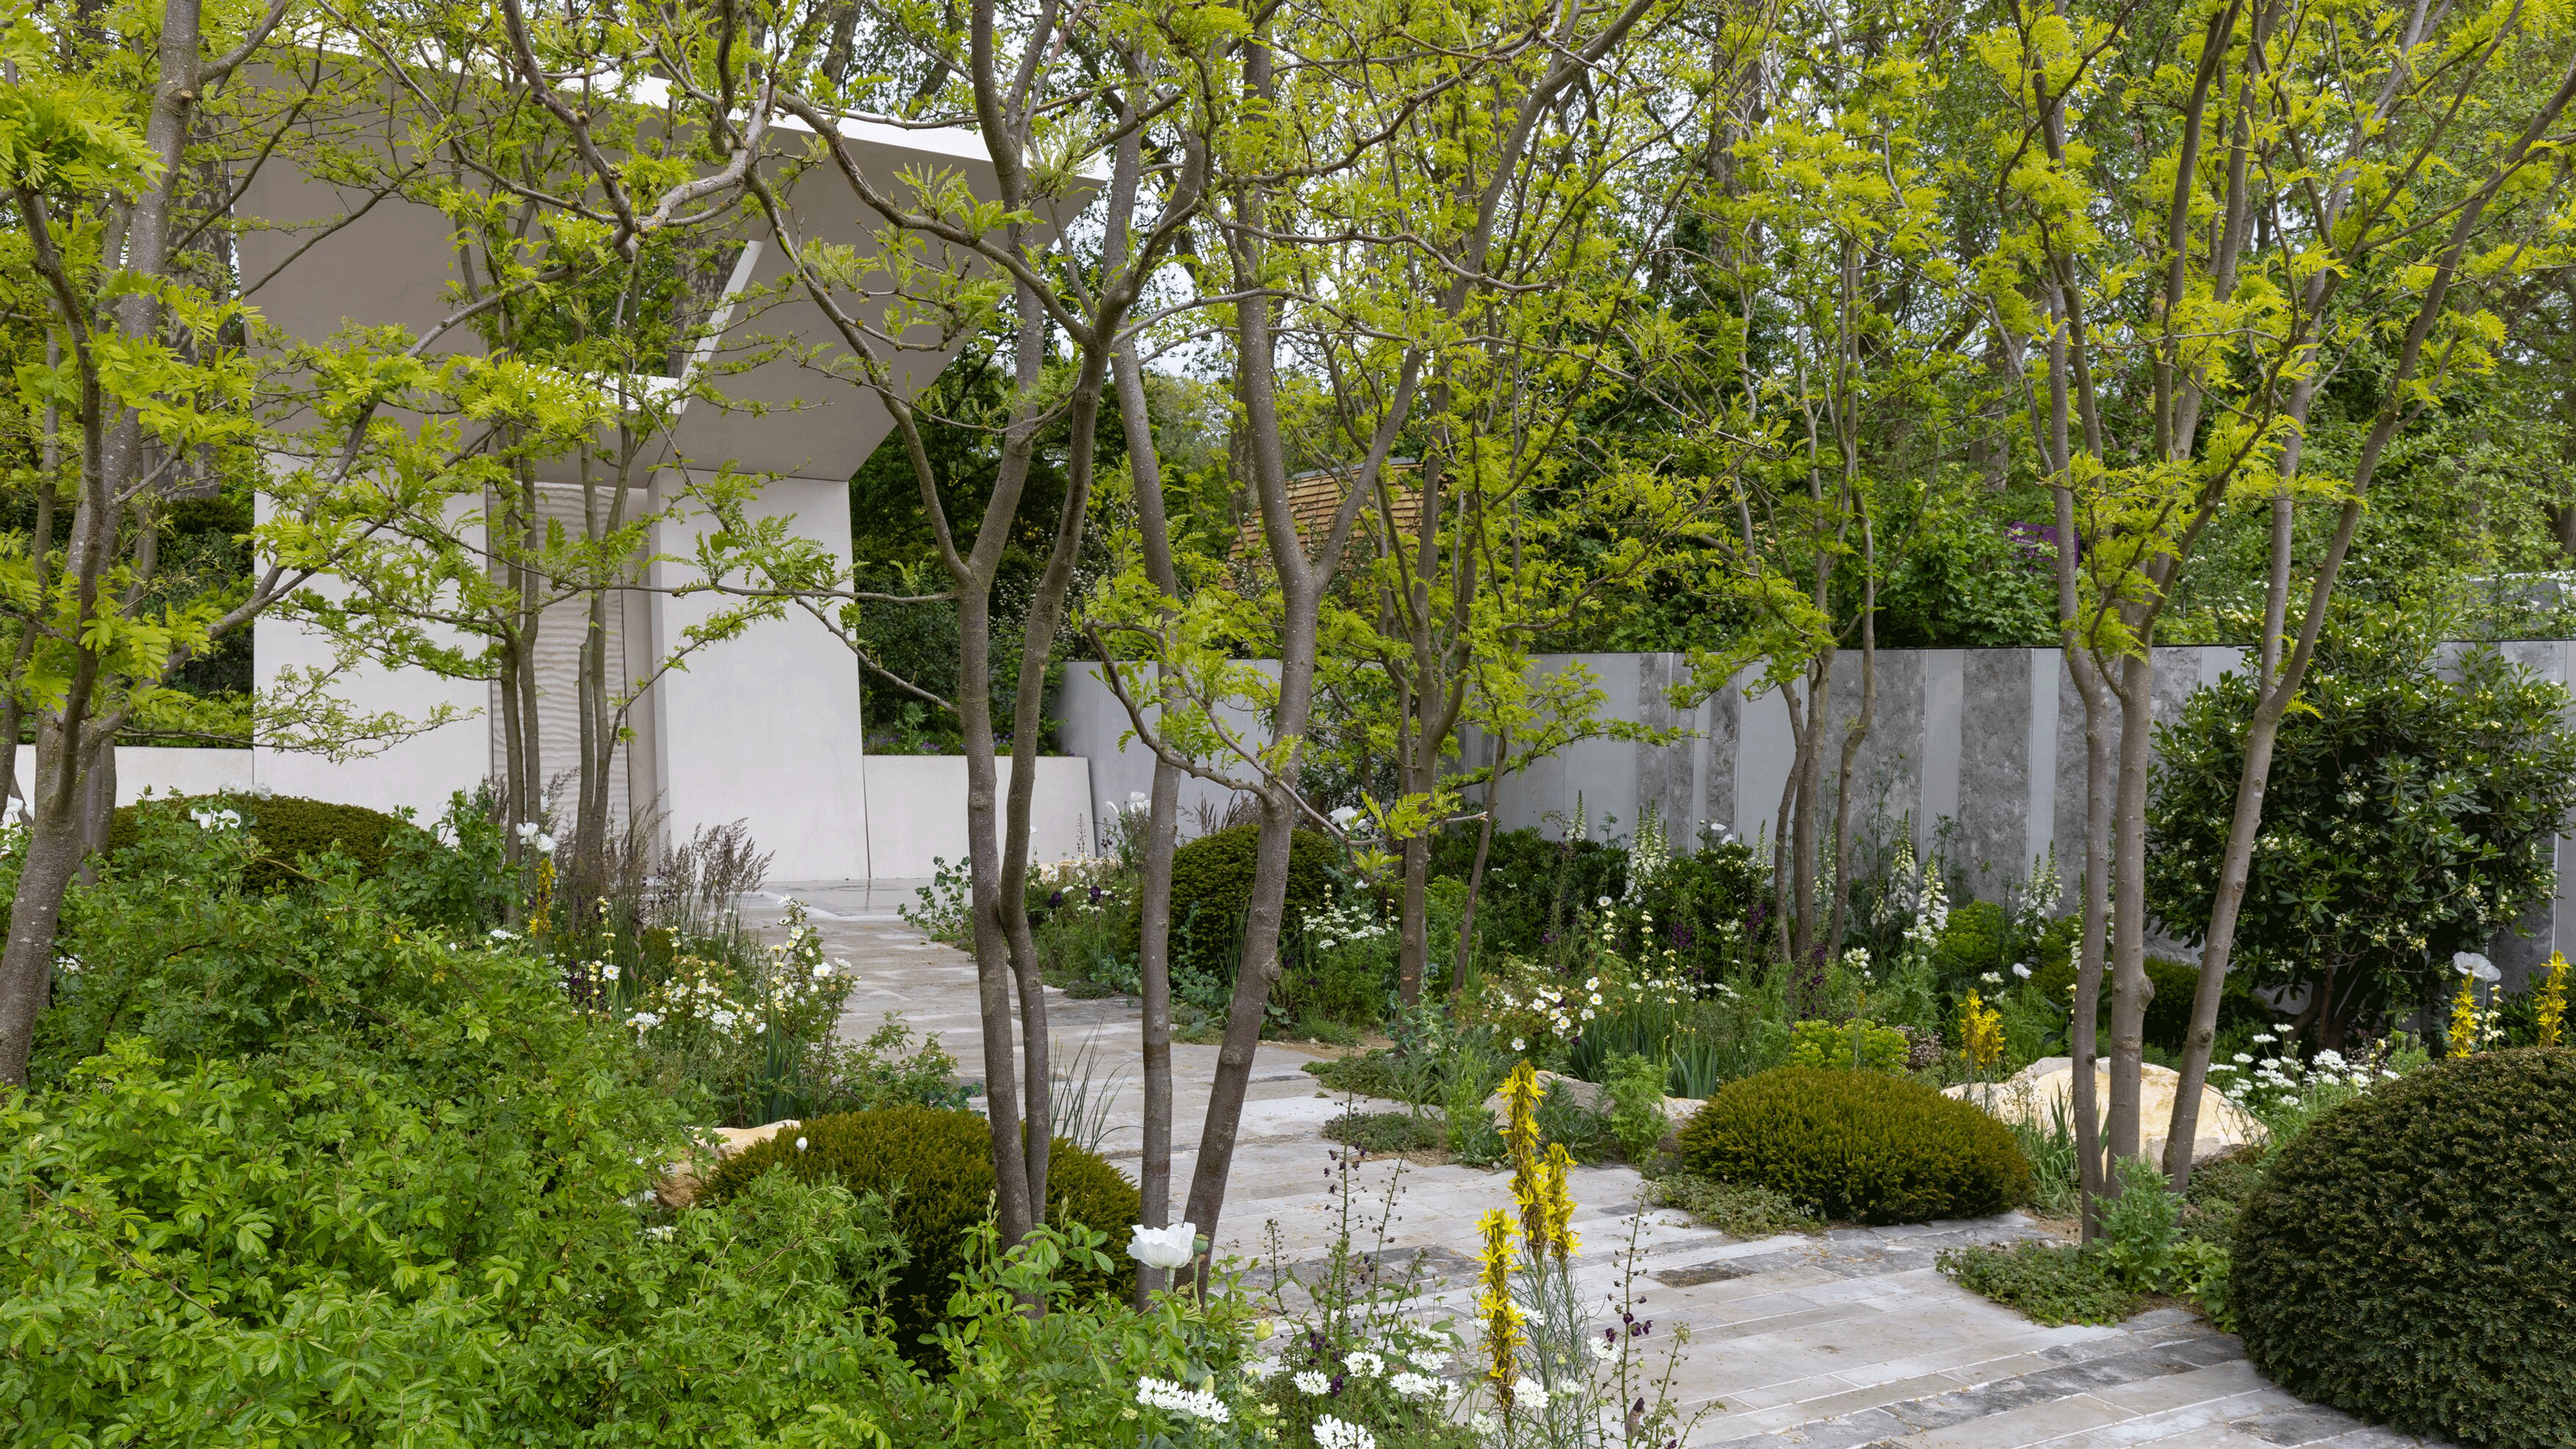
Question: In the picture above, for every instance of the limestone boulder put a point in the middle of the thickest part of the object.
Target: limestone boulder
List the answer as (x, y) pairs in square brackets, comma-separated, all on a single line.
[(2035, 1095), (678, 1186)]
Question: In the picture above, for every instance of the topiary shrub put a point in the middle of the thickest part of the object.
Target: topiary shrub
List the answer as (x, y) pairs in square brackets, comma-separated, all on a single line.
[(1212, 888), (936, 1168), (1859, 1145), (2411, 1256), (287, 827)]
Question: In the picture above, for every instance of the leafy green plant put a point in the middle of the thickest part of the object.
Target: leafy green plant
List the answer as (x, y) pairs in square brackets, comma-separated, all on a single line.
[(2050, 1283), (1858, 1044), (1738, 1209), (1860, 1145), (1474, 1136), (1387, 1131), (937, 1169), (2406, 1256), (2055, 1186), (2138, 1226), (1637, 1117)]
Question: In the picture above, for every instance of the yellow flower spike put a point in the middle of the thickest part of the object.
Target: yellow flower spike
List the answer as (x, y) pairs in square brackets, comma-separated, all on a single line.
[(1498, 1315), (1981, 1034), (2464, 1019), (1556, 1201), (1520, 1094), (2549, 1004)]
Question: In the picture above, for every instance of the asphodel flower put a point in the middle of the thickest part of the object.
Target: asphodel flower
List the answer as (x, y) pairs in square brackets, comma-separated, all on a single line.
[(1556, 1201), (2549, 1003), (1498, 1317)]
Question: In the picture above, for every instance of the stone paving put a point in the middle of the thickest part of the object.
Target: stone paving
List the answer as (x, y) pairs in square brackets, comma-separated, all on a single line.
[(1847, 1339)]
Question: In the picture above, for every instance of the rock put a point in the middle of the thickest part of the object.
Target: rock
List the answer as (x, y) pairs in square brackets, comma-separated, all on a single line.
[(678, 1185), (2033, 1095), (1590, 1096)]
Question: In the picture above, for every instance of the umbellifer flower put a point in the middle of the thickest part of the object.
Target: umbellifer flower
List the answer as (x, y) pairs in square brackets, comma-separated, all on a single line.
[(1310, 1382), (1332, 1433), (1176, 1399)]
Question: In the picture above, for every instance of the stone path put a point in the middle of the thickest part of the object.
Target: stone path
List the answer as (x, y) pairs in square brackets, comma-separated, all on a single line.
[(1848, 1339)]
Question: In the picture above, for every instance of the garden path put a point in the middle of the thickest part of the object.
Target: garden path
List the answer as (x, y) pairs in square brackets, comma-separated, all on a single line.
[(1848, 1339)]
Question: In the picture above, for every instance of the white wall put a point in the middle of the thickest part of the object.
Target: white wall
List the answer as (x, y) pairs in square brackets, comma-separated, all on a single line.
[(164, 771), (764, 727), (917, 812)]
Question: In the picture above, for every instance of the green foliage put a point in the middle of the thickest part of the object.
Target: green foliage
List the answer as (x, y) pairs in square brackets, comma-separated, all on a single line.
[(1738, 1209), (2168, 1012), (2406, 1257), (2408, 815), (1973, 942), (1533, 885), (1857, 1044), (1860, 1145), (287, 828), (1387, 1131), (1637, 1117), (1212, 889), (2049, 1283), (936, 1168)]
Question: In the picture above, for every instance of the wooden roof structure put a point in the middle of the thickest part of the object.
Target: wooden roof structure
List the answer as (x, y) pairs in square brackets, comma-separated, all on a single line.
[(1313, 499)]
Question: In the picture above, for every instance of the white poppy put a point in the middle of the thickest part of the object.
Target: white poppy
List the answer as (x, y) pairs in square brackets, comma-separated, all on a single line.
[(1171, 1247)]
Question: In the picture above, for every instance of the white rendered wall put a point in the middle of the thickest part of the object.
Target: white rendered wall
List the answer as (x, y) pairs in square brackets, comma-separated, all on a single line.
[(418, 773), (764, 727), (164, 771), (917, 813)]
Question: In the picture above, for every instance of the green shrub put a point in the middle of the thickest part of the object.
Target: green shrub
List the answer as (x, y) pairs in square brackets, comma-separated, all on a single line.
[(1824, 1044), (1974, 941), (937, 1169), (1873, 1148), (2168, 1014), (1212, 888), (2407, 1257), (287, 828)]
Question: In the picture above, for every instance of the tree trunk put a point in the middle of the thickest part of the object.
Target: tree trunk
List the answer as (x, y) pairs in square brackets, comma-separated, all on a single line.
[(1499, 751), (2129, 987), (1162, 828), (54, 854)]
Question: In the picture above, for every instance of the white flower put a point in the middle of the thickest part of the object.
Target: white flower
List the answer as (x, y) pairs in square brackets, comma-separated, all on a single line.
[(608, 971), (800, 1144), (2244, 1056), (1310, 1382), (528, 829), (2022, 970), (502, 933), (1519, 1045), (1364, 1363), (1604, 1350), (2265, 1036), (1992, 978), (646, 1019), (1414, 1386), (2470, 963), (1483, 1423), (1171, 1247), (1260, 1370), (1332, 1433), (662, 1230), (1190, 1403), (1429, 1360), (723, 1019), (1605, 903), (1527, 1394)]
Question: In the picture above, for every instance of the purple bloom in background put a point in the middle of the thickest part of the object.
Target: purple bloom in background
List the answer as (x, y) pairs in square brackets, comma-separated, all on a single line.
[(1056, 899)]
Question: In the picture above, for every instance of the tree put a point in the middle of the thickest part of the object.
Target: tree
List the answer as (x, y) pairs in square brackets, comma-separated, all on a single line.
[(2205, 213), (2411, 811)]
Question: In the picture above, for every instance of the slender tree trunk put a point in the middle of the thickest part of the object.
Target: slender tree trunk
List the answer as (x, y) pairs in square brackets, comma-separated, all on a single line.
[(2129, 986), (1496, 753), (1162, 828), (1852, 739)]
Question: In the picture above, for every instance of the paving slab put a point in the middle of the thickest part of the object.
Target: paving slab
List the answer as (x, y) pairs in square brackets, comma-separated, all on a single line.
[(1846, 1339)]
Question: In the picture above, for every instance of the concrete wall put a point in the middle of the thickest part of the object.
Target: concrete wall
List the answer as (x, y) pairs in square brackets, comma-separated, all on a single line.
[(1987, 743), (916, 814), (162, 771)]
